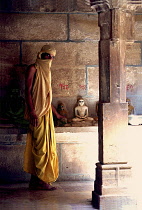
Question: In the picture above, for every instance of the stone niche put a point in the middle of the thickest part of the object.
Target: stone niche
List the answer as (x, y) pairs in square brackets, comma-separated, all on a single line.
[(66, 90)]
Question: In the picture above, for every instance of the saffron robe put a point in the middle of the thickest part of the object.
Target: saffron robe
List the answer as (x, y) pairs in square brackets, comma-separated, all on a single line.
[(40, 158)]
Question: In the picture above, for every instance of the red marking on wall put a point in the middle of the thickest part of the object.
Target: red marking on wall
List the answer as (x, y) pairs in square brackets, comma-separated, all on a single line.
[(63, 87), (130, 87), (83, 87)]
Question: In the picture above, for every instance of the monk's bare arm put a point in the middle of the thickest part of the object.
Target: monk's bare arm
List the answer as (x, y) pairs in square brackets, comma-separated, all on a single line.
[(30, 74), (56, 113)]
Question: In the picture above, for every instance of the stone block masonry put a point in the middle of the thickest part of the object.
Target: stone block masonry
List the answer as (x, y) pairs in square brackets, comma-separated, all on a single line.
[(75, 35), (75, 38)]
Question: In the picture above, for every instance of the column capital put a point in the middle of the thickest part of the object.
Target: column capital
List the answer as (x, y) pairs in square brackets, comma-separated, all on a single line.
[(105, 5), (99, 5), (134, 4)]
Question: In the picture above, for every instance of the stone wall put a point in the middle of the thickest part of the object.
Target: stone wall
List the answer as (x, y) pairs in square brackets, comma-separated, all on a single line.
[(134, 67), (73, 29), (75, 68)]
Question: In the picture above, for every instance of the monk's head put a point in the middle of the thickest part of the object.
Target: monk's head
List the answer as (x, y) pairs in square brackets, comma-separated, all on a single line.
[(47, 52)]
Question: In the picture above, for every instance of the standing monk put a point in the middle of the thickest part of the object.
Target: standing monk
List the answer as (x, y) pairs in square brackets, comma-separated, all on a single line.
[(40, 158)]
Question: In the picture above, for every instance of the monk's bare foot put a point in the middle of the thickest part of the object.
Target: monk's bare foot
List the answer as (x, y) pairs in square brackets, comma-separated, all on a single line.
[(45, 186), (42, 186)]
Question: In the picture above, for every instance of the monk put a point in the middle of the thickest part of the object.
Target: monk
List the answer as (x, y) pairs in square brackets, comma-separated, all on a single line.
[(40, 158)]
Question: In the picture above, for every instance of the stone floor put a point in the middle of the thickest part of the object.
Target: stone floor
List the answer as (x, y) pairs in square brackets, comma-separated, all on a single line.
[(69, 196)]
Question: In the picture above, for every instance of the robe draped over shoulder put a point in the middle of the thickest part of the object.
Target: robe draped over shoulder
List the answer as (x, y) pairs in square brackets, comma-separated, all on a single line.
[(42, 91), (40, 158)]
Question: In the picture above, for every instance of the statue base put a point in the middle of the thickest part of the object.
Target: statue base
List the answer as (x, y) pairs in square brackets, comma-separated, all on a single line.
[(84, 123)]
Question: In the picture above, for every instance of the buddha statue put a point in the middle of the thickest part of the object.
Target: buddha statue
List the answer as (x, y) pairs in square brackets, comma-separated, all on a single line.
[(61, 109), (81, 112), (130, 107)]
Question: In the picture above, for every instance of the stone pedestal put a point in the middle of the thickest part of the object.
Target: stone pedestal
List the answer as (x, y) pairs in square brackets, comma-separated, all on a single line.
[(113, 173), (112, 178), (111, 187)]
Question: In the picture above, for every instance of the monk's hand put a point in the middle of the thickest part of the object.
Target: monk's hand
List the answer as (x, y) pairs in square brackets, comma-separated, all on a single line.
[(33, 119)]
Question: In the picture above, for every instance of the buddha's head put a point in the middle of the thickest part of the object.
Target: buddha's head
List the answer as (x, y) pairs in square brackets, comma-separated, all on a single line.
[(80, 102)]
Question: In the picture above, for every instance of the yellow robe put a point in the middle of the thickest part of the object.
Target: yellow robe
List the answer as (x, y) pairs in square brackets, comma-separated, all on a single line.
[(40, 158)]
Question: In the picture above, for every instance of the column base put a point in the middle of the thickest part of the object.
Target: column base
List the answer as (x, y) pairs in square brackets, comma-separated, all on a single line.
[(112, 188), (114, 202)]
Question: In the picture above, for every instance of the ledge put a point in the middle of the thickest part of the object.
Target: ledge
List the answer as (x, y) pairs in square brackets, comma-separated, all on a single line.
[(76, 129), (17, 136), (77, 149)]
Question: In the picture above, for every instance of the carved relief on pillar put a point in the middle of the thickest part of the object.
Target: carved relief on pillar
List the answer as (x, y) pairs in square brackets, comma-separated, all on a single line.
[(134, 4), (99, 5), (104, 5)]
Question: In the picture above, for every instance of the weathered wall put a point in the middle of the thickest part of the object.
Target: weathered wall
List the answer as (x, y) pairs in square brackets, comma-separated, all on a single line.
[(134, 67), (73, 29), (75, 68)]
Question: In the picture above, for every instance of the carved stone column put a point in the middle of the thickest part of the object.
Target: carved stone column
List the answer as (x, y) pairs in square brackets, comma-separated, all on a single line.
[(112, 172)]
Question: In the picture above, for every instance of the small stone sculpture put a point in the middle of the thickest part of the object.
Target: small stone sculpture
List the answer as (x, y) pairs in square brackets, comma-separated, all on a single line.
[(61, 109), (81, 112), (130, 107)]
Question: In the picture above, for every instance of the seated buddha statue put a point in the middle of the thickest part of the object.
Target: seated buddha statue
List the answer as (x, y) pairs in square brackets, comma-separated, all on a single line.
[(81, 112), (130, 107)]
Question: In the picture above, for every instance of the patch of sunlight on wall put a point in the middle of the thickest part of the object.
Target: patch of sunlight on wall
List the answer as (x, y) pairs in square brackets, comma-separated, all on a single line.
[(134, 149)]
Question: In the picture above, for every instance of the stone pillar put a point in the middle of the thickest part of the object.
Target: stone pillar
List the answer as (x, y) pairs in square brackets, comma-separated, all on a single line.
[(112, 172)]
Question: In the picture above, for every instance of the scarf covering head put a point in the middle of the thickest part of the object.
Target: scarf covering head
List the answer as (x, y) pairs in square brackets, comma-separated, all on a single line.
[(42, 91)]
